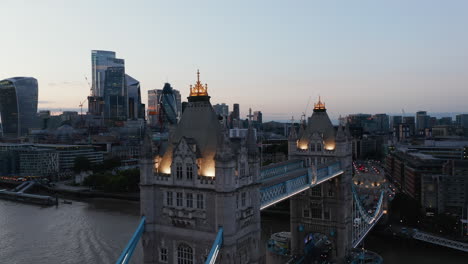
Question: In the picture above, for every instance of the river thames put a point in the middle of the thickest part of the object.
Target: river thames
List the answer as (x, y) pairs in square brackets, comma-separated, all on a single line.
[(96, 231)]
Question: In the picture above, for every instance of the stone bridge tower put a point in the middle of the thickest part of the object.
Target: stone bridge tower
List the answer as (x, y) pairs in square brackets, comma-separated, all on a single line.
[(326, 208), (201, 181)]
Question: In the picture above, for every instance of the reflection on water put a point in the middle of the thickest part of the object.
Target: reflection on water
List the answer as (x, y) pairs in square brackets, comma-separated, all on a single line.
[(83, 232)]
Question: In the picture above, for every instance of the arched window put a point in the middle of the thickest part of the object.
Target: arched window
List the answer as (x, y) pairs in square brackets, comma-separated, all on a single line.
[(184, 254)]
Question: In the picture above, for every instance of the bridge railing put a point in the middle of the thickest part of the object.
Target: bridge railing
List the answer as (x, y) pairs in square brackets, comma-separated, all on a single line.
[(327, 170), (440, 241), (362, 221), (218, 243), (275, 170), (130, 248), (283, 190)]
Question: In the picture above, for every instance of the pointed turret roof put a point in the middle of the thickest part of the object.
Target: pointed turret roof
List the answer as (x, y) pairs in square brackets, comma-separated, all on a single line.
[(340, 135), (200, 123), (292, 133), (320, 123)]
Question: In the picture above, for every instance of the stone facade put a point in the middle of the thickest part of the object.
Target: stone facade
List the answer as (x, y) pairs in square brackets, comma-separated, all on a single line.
[(210, 182), (326, 208)]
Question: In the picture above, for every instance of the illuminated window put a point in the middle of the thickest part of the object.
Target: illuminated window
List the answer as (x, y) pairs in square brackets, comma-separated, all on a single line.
[(169, 198), (163, 255), (179, 171), (189, 200), (179, 199), (200, 201), (184, 254), (189, 171)]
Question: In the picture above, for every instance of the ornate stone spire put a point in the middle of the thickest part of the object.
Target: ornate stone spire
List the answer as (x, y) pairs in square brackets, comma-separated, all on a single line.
[(224, 149), (340, 135), (319, 106), (251, 143), (198, 89), (347, 132), (147, 148)]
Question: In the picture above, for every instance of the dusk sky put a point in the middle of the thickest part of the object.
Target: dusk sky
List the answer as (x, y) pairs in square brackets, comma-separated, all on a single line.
[(360, 56)]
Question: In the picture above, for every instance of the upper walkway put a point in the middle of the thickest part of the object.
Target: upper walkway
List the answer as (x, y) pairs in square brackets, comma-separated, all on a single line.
[(285, 179)]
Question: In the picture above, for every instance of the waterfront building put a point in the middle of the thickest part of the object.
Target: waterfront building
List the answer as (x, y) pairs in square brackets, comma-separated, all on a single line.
[(66, 153), (202, 181), (26, 160), (18, 105)]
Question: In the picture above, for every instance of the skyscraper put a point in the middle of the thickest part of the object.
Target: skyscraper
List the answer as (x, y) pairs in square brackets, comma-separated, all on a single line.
[(101, 60), (164, 106), (154, 97), (136, 110), (18, 105), (115, 94)]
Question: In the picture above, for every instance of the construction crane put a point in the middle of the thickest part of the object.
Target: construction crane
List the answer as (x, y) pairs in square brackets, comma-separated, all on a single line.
[(81, 107), (90, 86), (304, 114)]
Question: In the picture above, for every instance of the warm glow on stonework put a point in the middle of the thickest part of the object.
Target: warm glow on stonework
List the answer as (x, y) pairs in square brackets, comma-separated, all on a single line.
[(330, 147), (302, 145), (207, 168)]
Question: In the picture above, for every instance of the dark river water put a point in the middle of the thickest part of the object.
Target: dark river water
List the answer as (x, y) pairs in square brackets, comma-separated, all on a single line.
[(96, 231)]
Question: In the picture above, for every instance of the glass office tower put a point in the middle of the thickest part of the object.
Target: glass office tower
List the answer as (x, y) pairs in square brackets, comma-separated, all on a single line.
[(169, 111), (18, 105), (135, 107)]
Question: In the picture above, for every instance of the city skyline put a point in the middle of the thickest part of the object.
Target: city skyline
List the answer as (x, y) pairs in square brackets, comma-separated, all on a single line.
[(375, 58)]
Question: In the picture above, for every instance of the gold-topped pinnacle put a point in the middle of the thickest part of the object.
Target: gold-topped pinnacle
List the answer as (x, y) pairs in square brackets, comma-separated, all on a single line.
[(319, 105), (198, 89)]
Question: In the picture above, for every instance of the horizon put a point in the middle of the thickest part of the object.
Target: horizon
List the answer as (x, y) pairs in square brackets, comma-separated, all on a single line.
[(375, 58)]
